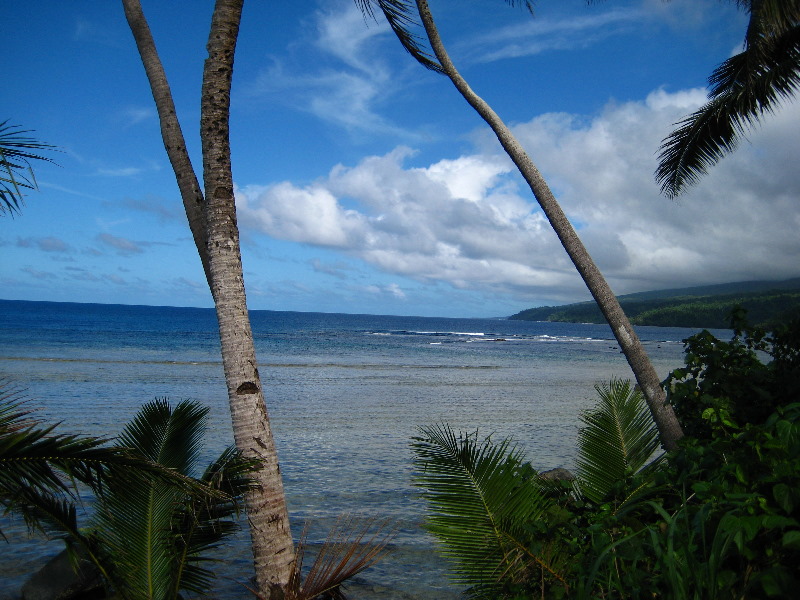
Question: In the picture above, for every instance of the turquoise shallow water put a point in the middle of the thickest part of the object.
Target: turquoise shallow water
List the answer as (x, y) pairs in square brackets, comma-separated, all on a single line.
[(345, 394)]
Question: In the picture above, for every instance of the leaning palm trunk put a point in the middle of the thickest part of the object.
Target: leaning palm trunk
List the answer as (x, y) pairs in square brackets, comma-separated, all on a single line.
[(212, 218), (669, 428)]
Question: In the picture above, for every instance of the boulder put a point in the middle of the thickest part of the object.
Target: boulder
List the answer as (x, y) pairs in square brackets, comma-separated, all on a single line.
[(558, 474), (58, 580)]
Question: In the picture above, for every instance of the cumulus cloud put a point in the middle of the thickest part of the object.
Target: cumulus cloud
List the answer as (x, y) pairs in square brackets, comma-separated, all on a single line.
[(471, 222), (738, 224)]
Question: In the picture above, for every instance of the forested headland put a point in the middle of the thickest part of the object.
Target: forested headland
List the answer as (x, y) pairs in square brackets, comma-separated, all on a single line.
[(768, 303)]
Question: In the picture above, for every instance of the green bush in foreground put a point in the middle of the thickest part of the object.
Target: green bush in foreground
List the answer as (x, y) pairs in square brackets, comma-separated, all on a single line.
[(718, 518)]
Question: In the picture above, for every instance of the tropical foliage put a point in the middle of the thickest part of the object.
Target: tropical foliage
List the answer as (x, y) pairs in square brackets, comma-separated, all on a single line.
[(717, 518), (39, 467), (510, 531), (154, 524), (16, 174), (744, 88), (152, 540)]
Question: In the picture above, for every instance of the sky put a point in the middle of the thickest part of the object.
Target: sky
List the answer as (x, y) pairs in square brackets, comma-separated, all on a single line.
[(365, 184)]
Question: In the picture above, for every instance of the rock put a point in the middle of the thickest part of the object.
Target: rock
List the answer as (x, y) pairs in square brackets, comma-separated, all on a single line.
[(558, 474), (57, 580)]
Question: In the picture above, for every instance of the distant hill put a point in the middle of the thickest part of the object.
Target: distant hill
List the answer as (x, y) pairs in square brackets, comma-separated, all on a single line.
[(768, 303)]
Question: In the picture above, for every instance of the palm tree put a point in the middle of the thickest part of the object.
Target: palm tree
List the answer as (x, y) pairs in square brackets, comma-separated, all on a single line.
[(38, 465), (497, 520), (152, 540), (16, 174), (212, 219), (154, 523), (400, 16), (744, 89)]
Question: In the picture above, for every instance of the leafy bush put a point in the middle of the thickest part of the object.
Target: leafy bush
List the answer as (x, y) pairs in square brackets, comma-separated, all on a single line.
[(716, 519)]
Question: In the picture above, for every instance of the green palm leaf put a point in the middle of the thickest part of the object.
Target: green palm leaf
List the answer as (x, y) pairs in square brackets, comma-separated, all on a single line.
[(618, 440), (156, 534), (401, 15), (39, 467), (15, 170), (482, 496), (154, 524), (202, 522), (744, 89)]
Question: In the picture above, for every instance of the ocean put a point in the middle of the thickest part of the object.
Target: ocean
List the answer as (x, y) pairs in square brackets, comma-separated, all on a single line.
[(345, 394)]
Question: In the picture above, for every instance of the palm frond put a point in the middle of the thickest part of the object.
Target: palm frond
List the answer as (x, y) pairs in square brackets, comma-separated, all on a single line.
[(618, 440), (481, 496), (353, 545), (159, 531), (38, 466), (169, 436), (744, 89), (401, 15), (202, 522), (16, 174)]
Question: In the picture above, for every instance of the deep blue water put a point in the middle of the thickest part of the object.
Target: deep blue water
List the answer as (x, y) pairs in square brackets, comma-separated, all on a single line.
[(345, 394)]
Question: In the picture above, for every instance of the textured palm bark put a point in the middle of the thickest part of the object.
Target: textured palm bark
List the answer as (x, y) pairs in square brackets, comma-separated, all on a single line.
[(212, 218), (171, 132), (272, 544), (668, 426)]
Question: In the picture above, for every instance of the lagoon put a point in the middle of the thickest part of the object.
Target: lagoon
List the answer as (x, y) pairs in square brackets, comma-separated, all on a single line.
[(345, 394)]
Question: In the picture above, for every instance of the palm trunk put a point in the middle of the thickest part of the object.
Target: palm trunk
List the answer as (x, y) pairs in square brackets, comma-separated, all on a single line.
[(171, 132), (212, 218), (273, 549), (669, 429)]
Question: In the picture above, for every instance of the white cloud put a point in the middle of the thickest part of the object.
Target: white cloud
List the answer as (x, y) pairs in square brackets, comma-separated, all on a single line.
[(533, 36), (344, 80), (470, 221)]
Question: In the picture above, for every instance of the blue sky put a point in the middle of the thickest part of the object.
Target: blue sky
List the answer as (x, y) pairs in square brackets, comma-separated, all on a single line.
[(365, 183)]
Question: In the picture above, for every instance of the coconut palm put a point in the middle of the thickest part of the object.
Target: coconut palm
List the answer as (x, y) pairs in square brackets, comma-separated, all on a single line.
[(154, 524), (401, 16), (617, 441), (212, 219), (152, 540), (39, 466), (16, 174), (744, 88), (496, 519)]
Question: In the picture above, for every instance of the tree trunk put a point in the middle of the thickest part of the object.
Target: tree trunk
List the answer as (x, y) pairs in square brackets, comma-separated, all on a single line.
[(668, 426), (273, 549), (171, 132), (212, 218)]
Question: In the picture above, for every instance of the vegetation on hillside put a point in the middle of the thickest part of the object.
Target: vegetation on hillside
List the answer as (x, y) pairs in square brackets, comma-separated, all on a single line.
[(765, 309)]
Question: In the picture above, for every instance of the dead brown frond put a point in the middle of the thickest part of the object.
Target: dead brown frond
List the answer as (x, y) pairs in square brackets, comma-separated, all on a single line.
[(343, 555), (353, 545)]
